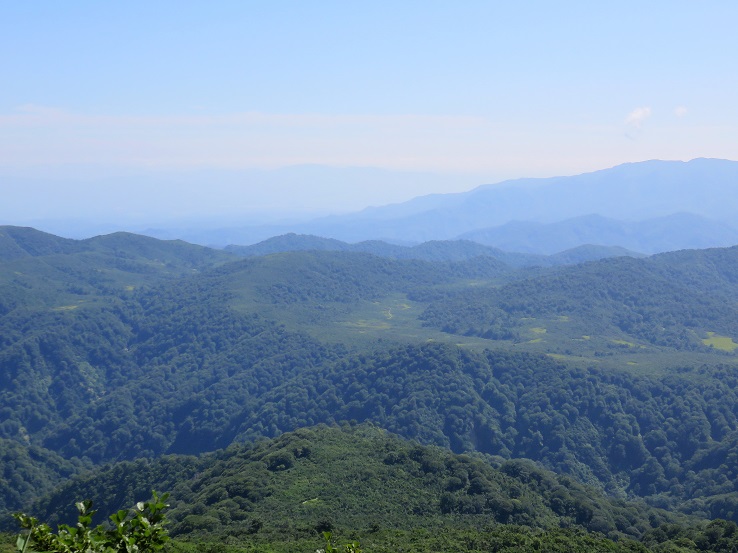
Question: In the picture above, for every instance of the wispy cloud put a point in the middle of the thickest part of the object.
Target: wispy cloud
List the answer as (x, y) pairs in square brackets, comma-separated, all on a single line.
[(34, 137), (638, 116), (680, 111)]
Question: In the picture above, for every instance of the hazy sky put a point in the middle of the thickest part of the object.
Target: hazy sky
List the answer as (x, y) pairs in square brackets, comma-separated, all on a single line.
[(105, 106)]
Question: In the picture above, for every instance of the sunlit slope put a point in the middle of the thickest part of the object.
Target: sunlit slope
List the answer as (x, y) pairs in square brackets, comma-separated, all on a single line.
[(257, 347), (668, 309), (42, 270), (352, 479), (623, 306)]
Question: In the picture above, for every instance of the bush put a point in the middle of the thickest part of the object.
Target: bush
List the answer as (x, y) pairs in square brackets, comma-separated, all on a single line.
[(139, 530)]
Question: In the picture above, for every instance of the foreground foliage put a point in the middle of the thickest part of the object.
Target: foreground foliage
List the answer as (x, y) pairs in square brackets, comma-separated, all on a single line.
[(140, 529), (716, 537)]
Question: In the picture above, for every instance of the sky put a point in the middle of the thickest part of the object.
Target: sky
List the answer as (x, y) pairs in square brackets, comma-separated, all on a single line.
[(141, 110)]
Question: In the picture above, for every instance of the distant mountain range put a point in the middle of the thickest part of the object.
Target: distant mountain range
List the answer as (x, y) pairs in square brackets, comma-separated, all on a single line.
[(435, 250), (650, 207), (673, 232)]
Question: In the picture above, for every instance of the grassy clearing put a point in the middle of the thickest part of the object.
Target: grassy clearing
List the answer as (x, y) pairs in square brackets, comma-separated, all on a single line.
[(573, 359), (364, 325), (626, 343), (395, 318), (722, 343)]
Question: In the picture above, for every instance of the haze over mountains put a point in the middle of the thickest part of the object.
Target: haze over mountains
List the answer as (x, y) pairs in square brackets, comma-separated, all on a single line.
[(469, 321), (661, 234), (434, 250), (649, 207)]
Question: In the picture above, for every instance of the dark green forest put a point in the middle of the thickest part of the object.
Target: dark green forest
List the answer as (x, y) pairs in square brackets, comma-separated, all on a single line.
[(173, 362)]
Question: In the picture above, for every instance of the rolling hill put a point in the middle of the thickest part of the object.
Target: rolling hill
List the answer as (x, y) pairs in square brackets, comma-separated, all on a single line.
[(619, 373), (359, 480)]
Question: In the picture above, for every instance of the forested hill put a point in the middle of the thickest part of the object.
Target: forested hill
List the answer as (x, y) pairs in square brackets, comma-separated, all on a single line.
[(353, 479), (126, 347), (681, 300), (20, 242), (669, 440), (41, 269)]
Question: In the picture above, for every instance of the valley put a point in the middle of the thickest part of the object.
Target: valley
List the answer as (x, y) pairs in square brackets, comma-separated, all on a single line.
[(130, 364), (368, 277)]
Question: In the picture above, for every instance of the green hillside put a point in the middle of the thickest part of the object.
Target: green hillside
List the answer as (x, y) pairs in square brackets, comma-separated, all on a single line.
[(19, 242), (668, 440), (619, 373), (22, 242), (39, 270), (353, 481), (671, 302)]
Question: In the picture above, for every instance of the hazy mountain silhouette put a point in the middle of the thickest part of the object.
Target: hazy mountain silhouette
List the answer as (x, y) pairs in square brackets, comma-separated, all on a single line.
[(436, 250), (650, 206), (673, 232), (632, 192)]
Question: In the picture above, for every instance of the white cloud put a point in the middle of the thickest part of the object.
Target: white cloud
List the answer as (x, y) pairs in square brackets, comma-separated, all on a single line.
[(680, 111), (638, 116)]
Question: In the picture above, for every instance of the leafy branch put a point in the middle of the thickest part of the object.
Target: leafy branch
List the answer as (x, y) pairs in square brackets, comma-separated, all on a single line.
[(137, 530)]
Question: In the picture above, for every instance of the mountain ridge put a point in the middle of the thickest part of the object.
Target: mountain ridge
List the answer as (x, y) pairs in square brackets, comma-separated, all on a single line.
[(678, 231), (631, 191), (638, 191), (434, 250)]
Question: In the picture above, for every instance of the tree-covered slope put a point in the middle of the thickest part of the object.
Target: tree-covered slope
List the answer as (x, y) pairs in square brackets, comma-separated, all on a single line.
[(361, 479), (675, 300), (19, 242), (164, 368), (189, 361), (29, 471), (124, 381), (669, 439), (42, 271)]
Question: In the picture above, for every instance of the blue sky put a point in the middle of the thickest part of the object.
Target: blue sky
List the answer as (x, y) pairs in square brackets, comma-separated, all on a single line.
[(432, 96)]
